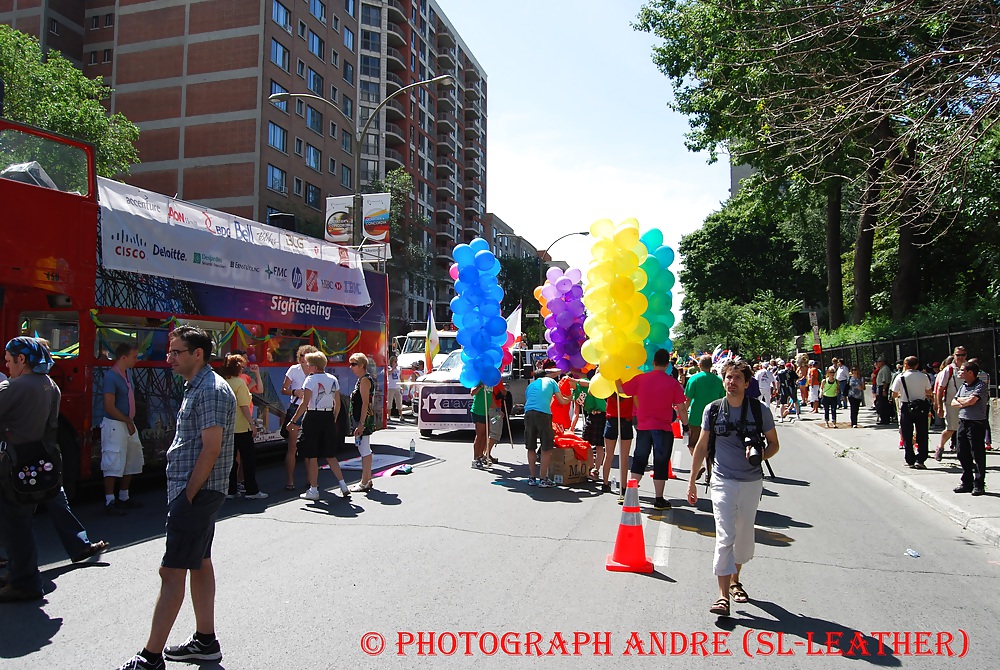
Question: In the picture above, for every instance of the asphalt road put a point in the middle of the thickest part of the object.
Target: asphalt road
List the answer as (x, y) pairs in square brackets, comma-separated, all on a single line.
[(457, 558)]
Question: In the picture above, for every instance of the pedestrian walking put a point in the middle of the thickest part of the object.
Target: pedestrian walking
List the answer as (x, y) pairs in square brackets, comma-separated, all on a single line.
[(737, 481), (701, 389), (618, 429), (363, 419), (121, 449), (480, 419), (914, 391), (393, 388), (883, 379), (814, 378), (972, 401), (317, 414), (830, 395), (245, 430), (766, 383), (855, 394), (946, 386), (843, 378), (198, 464)]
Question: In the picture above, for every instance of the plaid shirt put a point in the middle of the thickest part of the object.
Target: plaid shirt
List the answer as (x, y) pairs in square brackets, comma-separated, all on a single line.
[(208, 401)]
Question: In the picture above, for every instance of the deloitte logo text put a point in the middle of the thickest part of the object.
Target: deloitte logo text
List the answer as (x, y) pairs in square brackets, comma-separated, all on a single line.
[(296, 278), (169, 252)]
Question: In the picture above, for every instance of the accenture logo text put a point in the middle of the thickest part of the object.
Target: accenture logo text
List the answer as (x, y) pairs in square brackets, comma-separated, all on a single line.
[(143, 203)]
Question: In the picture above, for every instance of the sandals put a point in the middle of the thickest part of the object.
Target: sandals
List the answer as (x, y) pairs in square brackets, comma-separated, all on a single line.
[(289, 487), (93, 549), (738, 593), (720, 607)]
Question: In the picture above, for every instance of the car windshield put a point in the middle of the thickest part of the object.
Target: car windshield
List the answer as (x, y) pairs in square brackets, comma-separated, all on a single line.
[(415, 344), (453, 362)]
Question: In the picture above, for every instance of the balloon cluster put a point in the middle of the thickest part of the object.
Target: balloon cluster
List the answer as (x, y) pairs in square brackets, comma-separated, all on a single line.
[(659, 282), (482, 332), (614, 298), (562, 308)]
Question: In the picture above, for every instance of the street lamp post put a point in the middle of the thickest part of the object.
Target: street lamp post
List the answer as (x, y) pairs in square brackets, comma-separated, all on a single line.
[(541, 268), (358, 228)]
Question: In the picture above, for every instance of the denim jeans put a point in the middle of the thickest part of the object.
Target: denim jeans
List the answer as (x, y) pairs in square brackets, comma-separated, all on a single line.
[(16, 536)]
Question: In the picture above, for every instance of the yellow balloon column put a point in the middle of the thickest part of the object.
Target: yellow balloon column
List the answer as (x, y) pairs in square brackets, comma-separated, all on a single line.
[(615, 328)]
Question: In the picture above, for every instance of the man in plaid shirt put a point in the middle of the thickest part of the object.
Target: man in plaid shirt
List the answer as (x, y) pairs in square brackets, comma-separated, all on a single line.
[(198, 464)]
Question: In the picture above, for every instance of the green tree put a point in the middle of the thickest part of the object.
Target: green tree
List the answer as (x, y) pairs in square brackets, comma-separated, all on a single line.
[(518, 277), (47, 91)]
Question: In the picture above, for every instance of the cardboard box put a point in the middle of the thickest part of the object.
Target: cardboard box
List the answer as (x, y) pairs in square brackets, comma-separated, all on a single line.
[(565, 469)]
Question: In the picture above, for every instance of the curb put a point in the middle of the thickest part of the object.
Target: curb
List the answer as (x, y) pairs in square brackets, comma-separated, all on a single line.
[(985, 527)]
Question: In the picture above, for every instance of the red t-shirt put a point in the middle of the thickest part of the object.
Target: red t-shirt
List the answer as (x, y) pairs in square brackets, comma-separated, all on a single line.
[(627, 407), (560, 412), (657, 393)]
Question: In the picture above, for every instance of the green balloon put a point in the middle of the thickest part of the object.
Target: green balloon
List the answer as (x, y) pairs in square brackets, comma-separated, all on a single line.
[(658, 304), (658, 332)]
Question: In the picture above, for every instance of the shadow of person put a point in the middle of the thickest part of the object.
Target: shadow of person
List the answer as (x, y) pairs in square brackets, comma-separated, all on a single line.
[(816, 637), (383, 497), (334, 507), (26, 628)]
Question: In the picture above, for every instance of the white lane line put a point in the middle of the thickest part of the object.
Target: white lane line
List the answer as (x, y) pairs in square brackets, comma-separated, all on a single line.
[(661, 550)]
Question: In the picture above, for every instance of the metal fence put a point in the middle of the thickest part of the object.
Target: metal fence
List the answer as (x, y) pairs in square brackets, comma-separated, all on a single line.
[(981, 343)]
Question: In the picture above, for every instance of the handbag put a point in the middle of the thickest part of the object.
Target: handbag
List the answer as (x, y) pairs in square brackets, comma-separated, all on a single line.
[(30, 472), (917, 406)]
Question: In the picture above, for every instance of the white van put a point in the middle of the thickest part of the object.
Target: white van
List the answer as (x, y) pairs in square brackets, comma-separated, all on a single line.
[(413, 349)]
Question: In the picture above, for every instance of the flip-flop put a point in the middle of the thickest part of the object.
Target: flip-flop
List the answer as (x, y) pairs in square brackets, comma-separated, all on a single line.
[(289, 487), (738, 593), (720, 607)]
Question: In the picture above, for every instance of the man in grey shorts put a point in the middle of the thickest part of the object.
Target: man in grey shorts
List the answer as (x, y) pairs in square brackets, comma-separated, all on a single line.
[(198, 464)]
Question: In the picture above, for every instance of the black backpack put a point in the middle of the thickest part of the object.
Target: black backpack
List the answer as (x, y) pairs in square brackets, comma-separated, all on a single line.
[(30, 472), (741, 428)]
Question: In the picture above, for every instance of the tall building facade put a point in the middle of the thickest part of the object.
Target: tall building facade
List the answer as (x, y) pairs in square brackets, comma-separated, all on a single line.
[(195, 76)]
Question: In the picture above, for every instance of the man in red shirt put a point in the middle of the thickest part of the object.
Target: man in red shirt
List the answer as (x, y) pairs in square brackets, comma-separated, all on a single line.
[(657, 394), (619, 426)]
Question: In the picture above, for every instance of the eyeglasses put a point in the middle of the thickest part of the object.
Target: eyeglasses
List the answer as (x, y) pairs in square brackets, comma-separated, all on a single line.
[(961, 355), (355, 365), (177, 352)]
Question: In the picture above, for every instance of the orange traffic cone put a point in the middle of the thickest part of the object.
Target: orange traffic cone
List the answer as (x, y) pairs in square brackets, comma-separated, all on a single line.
[(670, 471), (630, 546)]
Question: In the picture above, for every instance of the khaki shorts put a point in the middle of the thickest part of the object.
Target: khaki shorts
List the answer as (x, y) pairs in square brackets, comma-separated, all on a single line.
[(496, 427), (121, 453), (951, 417)]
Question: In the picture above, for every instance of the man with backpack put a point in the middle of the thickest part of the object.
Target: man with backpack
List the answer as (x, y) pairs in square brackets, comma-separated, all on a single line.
[(736, 436), (29, 415)]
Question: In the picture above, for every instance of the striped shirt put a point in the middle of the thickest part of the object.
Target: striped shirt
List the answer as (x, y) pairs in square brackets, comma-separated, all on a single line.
[(208, 401)]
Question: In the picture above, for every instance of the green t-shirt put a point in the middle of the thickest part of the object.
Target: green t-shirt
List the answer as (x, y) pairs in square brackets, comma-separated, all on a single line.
[(701, 390), (831, 389), (594, 404), (479, 401)]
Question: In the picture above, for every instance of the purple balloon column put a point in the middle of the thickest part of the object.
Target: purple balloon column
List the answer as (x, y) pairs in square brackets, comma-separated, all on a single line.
[(563, 295)]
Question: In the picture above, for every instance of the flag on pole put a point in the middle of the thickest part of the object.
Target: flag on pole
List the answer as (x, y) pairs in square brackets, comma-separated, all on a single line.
[(514, 324), (432, 343)]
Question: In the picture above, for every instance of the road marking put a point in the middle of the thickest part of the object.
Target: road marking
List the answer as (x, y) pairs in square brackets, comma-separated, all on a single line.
[(661, 550)]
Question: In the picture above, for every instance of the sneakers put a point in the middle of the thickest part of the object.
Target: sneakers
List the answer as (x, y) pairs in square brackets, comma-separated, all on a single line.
[(114, 509), (139, 662), (605, 488), (661, 503), (240, 488), (919, 466), (345, 492), (193, 650), (232, 496), (963, 489), (532, 481), (131, 503), (358, 488), (545, 483), (311, 494), (938, 454), (260, 495), (978, 490), (478, 464), (621, 497)]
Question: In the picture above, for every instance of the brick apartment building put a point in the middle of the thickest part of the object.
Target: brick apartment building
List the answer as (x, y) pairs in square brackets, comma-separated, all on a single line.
[(195, 76)]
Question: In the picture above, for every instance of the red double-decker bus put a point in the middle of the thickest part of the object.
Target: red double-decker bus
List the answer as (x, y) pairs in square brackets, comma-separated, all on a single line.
[(76, 274)]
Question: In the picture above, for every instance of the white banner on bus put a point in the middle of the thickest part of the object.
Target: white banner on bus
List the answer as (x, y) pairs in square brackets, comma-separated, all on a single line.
[(147, 232), (340, 217)]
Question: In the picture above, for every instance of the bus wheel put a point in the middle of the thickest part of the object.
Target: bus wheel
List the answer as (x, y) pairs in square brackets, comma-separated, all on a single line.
[(426, 433)]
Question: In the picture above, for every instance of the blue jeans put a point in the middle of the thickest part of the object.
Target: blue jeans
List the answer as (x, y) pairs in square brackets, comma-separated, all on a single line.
[(71, 532), (845, 386), (661, 442), (16, 536)]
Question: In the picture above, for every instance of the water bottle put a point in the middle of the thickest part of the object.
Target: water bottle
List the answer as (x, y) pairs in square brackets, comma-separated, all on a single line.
[(413, 448), (614, 484)]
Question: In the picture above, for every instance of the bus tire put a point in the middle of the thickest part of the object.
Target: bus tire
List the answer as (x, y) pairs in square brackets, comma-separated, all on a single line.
[(425, 432)]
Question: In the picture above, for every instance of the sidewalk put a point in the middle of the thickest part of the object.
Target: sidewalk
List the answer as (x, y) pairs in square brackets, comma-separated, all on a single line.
[(877, 450)]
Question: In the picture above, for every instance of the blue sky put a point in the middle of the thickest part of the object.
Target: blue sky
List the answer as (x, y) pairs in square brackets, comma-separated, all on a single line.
[(578, 125)]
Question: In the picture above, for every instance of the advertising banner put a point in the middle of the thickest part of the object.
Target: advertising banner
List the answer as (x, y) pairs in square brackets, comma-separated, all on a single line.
[(444, 407), (149, 233), (340, 218)]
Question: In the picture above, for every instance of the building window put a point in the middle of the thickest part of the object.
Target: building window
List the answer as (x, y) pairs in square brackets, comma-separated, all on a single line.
[(107, 55), (333, 130), (333, 166), (296, 186), (349, 73), (314, 158), (109, 20), (313, 196), (345, 176), (316, 45), (318, 10), (346, 144), (302, 29), (333, 93), (53, 26), (300, 69), (371, 41), (336, 23), (277, 137), (334, 58), (371, 66), (300, 108), (348, 38), (276, 180), (93, 58), (280, 104), (95, 22), (298, 146), (279, 54), (347, 106), (314, 120), (371, 16), (349, 7), (281, 15), (314, 82)]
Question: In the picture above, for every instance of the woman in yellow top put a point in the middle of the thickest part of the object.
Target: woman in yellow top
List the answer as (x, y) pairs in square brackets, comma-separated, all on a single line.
[(830, 397)]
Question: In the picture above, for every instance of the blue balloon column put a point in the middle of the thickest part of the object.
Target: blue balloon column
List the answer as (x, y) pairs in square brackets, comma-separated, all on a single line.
[(482, 332), (659, 282)]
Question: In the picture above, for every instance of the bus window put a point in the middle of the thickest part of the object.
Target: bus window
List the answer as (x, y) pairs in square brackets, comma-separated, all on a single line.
[(145, 332), (241, 342), (283, 344), (332, 340), (61, 329), (216, 330)]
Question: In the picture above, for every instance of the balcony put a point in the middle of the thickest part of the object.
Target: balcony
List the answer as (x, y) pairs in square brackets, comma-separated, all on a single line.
[(471, 170), (472, 230), (472, 189), (446, 123), (446, 189), (445, 39), (446, 60), (394, 110), (446, 100), (473, 208), (445, 168), (393, 82), (395, 60), (473, 91), (473, 131), (395, 35), (471, 151), (394, 134), (396, 11), (446, 231), (446, 211), (445, 145), (442, 253), (472, 110), (393, 160)]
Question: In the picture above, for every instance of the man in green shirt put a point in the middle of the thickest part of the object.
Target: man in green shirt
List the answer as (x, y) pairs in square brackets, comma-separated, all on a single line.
[(480, 417), (701, 390)]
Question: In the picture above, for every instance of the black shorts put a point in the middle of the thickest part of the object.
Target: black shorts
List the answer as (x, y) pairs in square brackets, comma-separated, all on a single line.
[(191, 529), (611, 428), (593, 429), (319, 437), (479, 418), (289, 413)]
